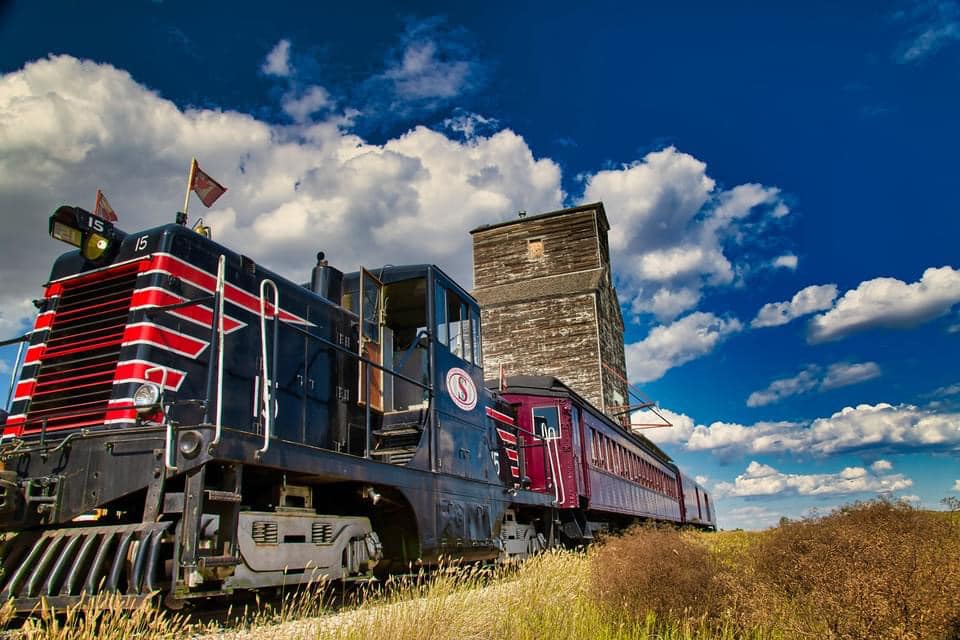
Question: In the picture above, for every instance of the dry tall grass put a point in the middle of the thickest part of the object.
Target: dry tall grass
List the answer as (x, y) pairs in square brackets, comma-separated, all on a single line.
[(870, 570), (103, 618), (658, 569), (875, 570)]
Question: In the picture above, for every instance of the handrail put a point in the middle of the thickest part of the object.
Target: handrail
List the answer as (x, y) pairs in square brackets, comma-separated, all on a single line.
[(354, 354), (422, 333), (152, 311), (544, 442), (169, 435), (556, 488), (218, 319), (559, 489), (366, 443), (15, 373), (265, 369), (23, 338)]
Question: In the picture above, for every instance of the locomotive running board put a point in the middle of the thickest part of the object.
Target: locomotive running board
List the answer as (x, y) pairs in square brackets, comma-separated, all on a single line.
[(63, 566)]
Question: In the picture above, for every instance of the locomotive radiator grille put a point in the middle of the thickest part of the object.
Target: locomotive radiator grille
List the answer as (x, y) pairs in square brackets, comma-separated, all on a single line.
[(64, 564), (265, 532), (322, 533), (75, 378)]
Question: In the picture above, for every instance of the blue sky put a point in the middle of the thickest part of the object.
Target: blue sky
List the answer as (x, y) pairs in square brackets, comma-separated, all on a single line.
[(780, 181)]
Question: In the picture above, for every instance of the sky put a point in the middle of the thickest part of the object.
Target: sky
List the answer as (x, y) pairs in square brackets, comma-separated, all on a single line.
[(780, 182)]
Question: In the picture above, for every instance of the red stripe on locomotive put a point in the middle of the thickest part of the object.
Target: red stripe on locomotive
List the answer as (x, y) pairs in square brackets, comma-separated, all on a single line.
[(172, 265), (164, 338), (157, 297)]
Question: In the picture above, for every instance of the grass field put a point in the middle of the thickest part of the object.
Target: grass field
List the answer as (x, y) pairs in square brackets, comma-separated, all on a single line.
[(873, 570)]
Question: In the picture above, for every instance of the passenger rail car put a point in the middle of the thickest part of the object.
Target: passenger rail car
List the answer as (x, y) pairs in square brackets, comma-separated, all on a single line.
[(605, 476)]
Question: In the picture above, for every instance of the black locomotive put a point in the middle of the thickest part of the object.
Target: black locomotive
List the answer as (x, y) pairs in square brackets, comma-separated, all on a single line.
[(188, 422)]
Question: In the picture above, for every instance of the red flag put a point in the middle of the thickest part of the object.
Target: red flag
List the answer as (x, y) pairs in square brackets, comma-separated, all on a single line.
[(206, 187), (102, 208)]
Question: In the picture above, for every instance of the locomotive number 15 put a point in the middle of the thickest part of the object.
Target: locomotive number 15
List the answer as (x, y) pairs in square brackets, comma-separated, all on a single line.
[(95, 223)]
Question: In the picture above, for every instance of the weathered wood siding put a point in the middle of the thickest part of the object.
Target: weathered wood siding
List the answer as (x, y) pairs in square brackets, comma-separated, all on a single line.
[(545, 337), (612, 351), (556, 312), (500, 256)]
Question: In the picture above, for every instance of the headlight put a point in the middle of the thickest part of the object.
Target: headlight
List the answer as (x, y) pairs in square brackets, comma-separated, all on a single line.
[(146, 398), (97, 239), (95, 246), (63, 233)]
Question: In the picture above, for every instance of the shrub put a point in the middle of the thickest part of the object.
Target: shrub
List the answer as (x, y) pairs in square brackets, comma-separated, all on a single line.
[(870, 570), (659, 570), (878, 569)]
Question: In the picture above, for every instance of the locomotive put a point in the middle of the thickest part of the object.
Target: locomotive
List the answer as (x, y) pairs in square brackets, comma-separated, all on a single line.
[(187, 422)]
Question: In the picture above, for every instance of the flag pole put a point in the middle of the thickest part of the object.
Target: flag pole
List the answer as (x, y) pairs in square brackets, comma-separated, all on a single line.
[(186, 198)]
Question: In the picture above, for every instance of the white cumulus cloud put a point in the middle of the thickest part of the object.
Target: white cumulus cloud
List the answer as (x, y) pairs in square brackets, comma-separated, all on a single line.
[(888, 303), (433, 66), (421, 74), (844, 374), (956, 485), (786, 261), (881, 465), (763, 480), (671, 225), (69, 127), (808, 300), (277, 62), (301, 106), (880, 427), (681, 426), (784, 388), (840, 374), (668, 346)]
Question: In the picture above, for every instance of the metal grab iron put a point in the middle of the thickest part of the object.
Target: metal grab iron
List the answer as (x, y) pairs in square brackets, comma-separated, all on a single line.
[(218, 321), (267, 386)]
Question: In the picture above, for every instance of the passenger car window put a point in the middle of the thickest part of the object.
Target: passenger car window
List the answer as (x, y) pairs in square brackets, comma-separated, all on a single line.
[(548, 425)]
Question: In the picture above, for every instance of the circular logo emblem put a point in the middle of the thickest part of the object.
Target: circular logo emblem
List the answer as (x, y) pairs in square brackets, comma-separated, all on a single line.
[(461, 389)]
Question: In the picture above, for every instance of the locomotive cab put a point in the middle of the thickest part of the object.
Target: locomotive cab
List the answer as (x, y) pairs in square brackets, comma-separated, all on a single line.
[(419, 331)]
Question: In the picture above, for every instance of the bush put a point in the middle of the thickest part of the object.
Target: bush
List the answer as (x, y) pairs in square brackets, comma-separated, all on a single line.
[(659, 570), (870, 570)]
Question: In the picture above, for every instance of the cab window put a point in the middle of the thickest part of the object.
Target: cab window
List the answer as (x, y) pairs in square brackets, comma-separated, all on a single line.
[(458, 324)]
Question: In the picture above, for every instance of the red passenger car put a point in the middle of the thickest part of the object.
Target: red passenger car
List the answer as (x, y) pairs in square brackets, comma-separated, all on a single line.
[(601, 476)]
